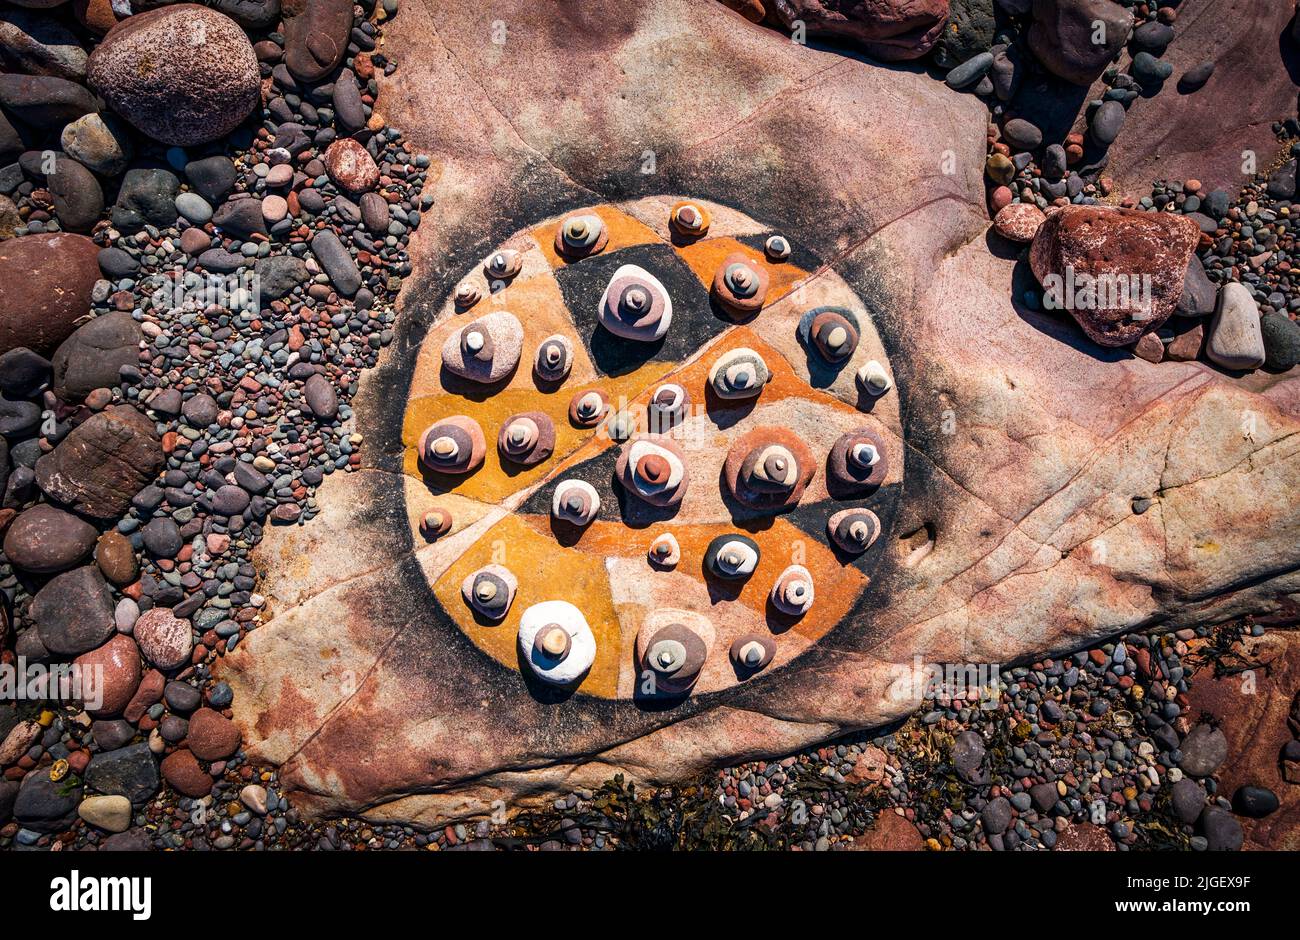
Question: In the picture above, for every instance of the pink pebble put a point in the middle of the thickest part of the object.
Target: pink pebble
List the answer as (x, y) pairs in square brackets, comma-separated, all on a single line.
[(999, 199), (274, 208), (281, 175)]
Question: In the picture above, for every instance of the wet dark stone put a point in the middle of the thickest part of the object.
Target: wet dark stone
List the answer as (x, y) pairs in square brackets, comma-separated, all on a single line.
[(146, 197), (1221, 830), (45, 805), (211, 177), (130, 771), (112, 734), (240, 218), (1255, 802), (336, 262), (44, 101), (19, 419), (321, 397), (162, 537), (117, 264), (94, 355), (22, 373), (74, 612)]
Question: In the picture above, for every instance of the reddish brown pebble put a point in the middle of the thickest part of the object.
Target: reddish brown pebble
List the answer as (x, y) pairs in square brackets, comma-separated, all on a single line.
[(183, 772), (350, 166), (1186, 347), (212, 737), (1149, 348)]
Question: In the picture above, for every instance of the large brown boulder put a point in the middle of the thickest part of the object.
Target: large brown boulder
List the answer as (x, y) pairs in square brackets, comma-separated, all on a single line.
[(1119, 272), (316, 40), (1077, 39), (45, 287), (889, 30), (180, 74), (103, 463)]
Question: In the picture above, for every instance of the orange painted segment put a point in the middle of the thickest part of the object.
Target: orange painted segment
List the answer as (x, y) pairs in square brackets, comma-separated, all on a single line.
[(705, 256), (780, 543), (497, 479), (546, 572), (624, 232)]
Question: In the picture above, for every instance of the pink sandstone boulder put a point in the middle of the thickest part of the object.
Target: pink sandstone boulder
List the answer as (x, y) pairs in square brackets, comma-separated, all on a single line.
[(180, 74), (1007, 529)]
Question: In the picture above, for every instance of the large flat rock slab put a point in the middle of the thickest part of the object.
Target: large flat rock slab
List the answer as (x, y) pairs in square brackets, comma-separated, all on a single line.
[(1017, 448)]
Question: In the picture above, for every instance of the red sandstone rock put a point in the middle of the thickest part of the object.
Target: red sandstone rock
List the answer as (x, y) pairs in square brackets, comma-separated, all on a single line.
[(1149, 347), (103, 463), (1119, 272), (183, 772), (350, 166), (1064, 36), (1019, 221), (119, 661), (211, 736), (148, 692), (891, 833), (751, 10), (1257, 727), (1097, 425), (45, 285), (887, 29), (1084, 837)]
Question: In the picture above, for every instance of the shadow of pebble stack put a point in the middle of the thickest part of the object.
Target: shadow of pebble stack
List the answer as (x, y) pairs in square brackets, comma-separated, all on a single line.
[(191, 282)]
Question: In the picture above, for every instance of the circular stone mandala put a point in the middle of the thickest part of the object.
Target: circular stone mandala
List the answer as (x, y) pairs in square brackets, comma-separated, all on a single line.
[(652, 450)]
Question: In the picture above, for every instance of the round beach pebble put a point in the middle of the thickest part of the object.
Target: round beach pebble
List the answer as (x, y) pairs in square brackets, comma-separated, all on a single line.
[(351, 167), (44, 540), (110, 813), (180, 74), (116, 558), (1018, 222), (274, 208), (165, 640), (486, 350), (100, 142), (556, 664), (182, 771), (212, 736)]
